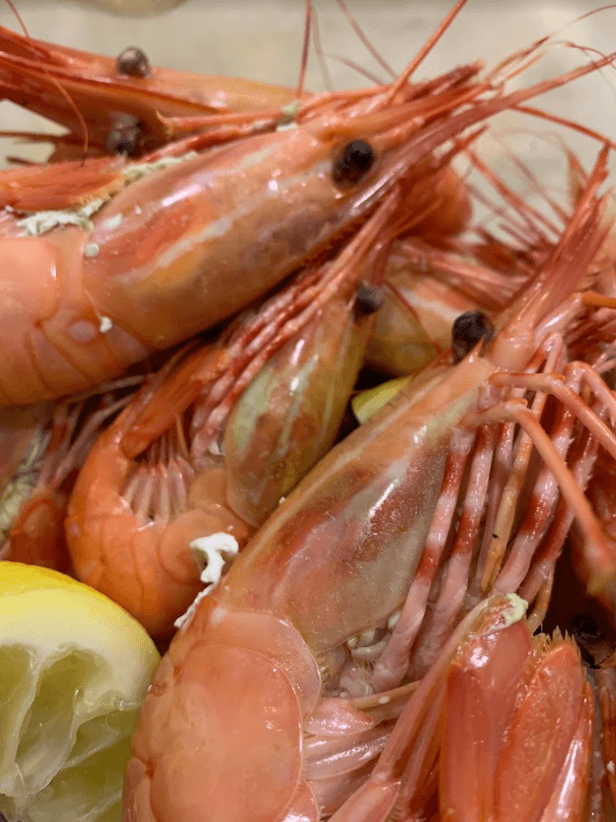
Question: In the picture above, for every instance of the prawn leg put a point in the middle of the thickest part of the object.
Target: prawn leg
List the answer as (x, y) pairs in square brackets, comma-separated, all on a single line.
[(455, 585)]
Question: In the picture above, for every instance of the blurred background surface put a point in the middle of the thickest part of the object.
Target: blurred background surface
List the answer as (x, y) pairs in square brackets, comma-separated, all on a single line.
[(262, 39)]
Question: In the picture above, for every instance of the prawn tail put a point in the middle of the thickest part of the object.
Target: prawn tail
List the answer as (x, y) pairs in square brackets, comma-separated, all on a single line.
[(37, 536), (43, 481), (403, 781), (530, 689)]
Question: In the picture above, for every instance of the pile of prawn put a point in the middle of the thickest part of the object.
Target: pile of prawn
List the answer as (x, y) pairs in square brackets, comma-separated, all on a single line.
[(352, 613)]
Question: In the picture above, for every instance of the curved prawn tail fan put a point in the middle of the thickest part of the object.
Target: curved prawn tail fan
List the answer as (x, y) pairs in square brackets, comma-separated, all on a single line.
[(403, 780), (527, 690)]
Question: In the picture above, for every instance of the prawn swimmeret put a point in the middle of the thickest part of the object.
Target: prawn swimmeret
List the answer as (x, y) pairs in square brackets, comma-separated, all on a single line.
[(320, 627)]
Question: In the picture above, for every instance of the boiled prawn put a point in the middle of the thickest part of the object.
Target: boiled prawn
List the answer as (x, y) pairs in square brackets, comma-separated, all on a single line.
[(326, 602)]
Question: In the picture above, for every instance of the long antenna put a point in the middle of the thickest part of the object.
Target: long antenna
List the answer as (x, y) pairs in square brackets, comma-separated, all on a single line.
[(304, 62), (318, 47), (364, 39), (423, 53), (18, 17)]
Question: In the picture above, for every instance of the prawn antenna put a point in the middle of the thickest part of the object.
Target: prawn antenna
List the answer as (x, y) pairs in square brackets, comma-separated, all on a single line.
[(350, 64), (563, 121), (364, 39), (585, 16), (304, 61), (56, 83), (18, 17), (426, 49), (318, 47)]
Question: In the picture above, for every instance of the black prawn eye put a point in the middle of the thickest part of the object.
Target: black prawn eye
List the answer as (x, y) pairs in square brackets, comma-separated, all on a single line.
[(133, 62), (369, 298), (124, 137), (355, 160), (466, 332)]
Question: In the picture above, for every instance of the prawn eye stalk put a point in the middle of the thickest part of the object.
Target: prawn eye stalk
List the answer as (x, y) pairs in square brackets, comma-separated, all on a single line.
[(355, 160), (368, 300), (467, 330), (133, 63)]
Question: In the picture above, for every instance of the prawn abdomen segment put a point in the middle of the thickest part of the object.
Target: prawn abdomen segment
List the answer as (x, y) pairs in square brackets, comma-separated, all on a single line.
[(229, 699), (334, 576), (238, 728), (25, 300), (53, 339)]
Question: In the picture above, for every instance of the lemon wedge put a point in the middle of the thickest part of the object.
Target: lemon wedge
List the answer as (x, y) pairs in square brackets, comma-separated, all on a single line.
[(368, 402), (74, 669)]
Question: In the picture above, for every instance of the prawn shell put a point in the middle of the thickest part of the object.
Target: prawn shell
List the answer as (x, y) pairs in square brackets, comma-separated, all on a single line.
[(187, 247), (391, 467), (289, 416), (54, 320), (514, 715), (224, 670), (37, 535), (143, 564)]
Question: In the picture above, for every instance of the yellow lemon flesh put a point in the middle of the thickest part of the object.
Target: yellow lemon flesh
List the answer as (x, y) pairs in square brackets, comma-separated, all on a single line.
[(368, 402), (74, 669)]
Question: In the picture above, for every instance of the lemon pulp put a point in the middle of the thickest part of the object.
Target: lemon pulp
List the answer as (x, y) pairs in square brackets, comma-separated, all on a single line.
[(74, 669)]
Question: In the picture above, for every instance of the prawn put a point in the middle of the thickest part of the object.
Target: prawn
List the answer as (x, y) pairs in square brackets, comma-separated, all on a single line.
[(213, 443), (183, 247), (163, 259), (325, 602), (121, 101)]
